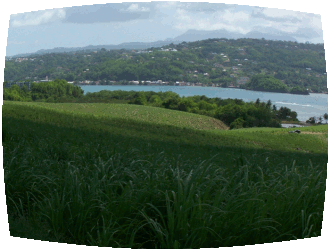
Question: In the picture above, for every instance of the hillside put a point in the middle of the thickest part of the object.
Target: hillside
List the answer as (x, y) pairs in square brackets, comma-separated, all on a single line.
[(137, 113), (218, 62)]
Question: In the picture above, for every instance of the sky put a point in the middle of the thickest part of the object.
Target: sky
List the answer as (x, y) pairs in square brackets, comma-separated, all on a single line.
[(115, 23)]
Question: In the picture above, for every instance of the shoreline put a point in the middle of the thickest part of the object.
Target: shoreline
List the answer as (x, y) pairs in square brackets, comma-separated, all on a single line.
[(197, 86)]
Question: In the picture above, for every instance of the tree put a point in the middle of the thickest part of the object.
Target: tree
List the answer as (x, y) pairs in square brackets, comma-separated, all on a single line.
[(274, 108), (141, 99), (238, 123), (325, 116), (311, 120), (186, 104), (155, 100), (284, 113)]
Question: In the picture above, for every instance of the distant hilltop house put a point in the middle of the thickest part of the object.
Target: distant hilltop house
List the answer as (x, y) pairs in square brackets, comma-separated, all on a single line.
[(21, 59), (170, 49)]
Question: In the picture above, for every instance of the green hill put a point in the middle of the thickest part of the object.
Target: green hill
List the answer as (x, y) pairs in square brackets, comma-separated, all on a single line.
[(221, 62), (138, 113)]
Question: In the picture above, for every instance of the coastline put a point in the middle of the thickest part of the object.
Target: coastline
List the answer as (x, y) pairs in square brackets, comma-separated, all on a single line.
[(199, 86)]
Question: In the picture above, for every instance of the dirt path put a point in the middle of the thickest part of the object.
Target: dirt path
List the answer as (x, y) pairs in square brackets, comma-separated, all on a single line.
[(312, 133)]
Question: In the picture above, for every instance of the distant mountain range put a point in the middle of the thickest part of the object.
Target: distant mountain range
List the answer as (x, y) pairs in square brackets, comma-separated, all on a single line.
[(188, 36)]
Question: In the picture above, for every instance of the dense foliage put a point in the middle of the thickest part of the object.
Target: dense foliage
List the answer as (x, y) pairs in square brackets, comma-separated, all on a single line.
[(299, 66), (266, 83), (45, 91), (233, 112)]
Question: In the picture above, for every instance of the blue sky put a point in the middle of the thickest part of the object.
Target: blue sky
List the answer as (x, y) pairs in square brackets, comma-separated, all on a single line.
[(115, 23)]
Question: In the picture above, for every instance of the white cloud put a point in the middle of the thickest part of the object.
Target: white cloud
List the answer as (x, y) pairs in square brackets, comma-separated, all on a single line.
[(135, 7), (231, 17), (279, 13), (37, 18), (166, 5), (231, 21), (295, 22)]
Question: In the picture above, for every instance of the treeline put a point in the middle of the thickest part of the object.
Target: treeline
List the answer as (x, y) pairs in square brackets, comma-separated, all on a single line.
[(271, 84), (286, 61), (46, 91), (233, 112)]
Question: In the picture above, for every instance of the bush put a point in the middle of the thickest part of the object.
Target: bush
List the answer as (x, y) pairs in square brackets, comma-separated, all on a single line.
[(238, 123), (141, 99)]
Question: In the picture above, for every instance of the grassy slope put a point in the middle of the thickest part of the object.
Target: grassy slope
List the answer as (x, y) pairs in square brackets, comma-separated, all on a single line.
[(161, 125), (71, 146), (138, 113)]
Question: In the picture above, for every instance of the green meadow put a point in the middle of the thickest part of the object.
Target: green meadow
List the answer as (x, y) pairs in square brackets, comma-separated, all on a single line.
[(134, 176)]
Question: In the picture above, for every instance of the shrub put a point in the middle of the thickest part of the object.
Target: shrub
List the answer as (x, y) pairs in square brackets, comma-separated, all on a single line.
[(238, 123)]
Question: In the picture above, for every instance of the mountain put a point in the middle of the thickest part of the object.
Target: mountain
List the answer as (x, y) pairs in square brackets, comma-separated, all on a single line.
[(195, 35), (188, 36), (128, 46), (260, 35)]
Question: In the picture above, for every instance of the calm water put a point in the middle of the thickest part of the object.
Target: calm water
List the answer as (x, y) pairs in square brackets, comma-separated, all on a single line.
[(305, 105)]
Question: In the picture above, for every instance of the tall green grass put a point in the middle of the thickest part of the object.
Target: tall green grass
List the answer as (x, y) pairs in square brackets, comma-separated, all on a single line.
[(101, 181)]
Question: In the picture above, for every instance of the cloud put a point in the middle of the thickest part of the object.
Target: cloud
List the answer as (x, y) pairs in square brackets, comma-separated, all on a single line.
[(37, 18), (275, 18), (166, 5), (298, 24), (136, 8), (218, 20), (204, 7), (106, 13), (192, 6)]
